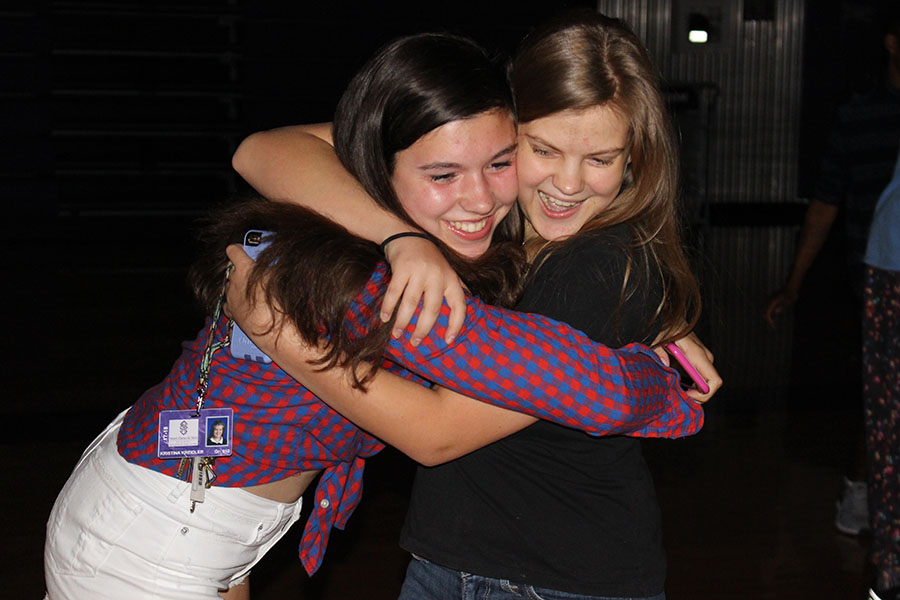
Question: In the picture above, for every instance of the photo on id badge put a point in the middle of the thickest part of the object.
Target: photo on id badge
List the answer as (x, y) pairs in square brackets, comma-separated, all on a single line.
[(216, 428), (188, 433)]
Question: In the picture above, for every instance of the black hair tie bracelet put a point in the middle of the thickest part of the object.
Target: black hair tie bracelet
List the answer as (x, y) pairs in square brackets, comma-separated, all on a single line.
[(404, 234)]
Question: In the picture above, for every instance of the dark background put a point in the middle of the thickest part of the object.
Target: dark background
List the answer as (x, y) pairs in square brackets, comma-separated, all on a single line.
[(118, 120)]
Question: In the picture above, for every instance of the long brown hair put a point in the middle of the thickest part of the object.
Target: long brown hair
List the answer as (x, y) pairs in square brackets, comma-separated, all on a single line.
[(583, 59), (314, 268), (311, 271)]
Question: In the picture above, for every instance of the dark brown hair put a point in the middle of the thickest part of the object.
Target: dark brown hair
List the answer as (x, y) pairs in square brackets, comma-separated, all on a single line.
[(313, 268), (411, 87), (311, 271), (584, 59)]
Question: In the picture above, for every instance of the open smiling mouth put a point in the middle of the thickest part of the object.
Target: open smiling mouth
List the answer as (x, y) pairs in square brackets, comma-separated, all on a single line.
[(469, 226), (472, 231), (555, 205)]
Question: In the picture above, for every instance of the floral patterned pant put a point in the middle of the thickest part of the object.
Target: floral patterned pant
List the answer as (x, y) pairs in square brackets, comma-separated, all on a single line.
[(881, 393)]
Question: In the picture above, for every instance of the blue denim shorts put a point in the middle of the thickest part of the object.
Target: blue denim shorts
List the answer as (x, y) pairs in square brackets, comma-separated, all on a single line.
[(428, 581)]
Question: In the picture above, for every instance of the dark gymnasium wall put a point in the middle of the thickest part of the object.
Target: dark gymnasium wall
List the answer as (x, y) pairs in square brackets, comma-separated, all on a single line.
[(118, 120)]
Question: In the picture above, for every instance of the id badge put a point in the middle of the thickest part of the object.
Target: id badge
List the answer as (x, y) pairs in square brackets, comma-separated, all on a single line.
[(185, 433)]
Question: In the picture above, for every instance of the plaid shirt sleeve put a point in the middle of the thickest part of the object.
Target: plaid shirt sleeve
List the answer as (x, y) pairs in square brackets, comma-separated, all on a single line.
[(536, 365)]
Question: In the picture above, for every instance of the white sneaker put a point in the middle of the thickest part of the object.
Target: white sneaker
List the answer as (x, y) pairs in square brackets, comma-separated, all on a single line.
[(891, 594), (853, 508)]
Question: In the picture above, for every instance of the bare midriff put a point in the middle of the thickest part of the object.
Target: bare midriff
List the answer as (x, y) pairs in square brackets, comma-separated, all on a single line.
[(285, 490)]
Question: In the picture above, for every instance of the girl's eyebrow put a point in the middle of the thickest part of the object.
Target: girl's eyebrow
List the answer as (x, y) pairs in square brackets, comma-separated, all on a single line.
[(544, 142), (449, 165), (439, 165), (509, 149)]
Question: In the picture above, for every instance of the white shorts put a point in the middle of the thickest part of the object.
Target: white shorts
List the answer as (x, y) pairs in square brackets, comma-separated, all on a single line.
[(118, 531)]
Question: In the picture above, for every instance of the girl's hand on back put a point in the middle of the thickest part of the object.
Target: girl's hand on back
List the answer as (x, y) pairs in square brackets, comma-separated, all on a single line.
[(702, 359), (420, 273)]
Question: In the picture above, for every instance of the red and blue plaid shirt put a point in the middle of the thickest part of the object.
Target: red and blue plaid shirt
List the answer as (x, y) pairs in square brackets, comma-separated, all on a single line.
[(528, 363)]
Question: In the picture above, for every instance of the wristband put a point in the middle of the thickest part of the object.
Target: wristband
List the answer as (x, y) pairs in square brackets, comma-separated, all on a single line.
[(404, 234)]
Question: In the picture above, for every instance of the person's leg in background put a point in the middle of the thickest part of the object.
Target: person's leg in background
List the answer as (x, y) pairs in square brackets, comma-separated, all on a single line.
[(881, 390)]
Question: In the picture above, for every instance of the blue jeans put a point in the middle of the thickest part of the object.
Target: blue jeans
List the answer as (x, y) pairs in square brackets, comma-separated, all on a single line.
[(428, 581)]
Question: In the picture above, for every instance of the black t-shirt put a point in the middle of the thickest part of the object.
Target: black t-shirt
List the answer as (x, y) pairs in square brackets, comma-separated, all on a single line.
[(550, 506)]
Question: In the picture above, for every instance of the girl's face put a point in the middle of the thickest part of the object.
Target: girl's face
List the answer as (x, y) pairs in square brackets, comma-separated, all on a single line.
[(458, 181), (218, 431), (571, 165)]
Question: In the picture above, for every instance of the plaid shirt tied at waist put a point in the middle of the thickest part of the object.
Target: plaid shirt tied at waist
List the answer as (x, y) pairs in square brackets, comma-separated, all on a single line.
[(528, 363)]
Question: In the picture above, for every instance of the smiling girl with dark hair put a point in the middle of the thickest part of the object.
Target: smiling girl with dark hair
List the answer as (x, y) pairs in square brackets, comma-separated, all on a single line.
[(128, 525), (547, 512)]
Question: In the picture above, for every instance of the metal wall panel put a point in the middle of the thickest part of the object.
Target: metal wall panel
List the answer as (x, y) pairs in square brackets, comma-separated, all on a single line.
[(752, 159), (758, 74)]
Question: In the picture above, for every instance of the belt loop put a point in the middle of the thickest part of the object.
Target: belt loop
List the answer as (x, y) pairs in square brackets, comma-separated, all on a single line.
[(177, 491)]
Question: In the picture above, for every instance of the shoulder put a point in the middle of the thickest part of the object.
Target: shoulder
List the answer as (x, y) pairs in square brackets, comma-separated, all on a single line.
[(581, 276), (601, 252), (589, 244)]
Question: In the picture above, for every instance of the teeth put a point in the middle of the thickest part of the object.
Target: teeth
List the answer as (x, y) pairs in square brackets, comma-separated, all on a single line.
[(469, 226), (552, 202)]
